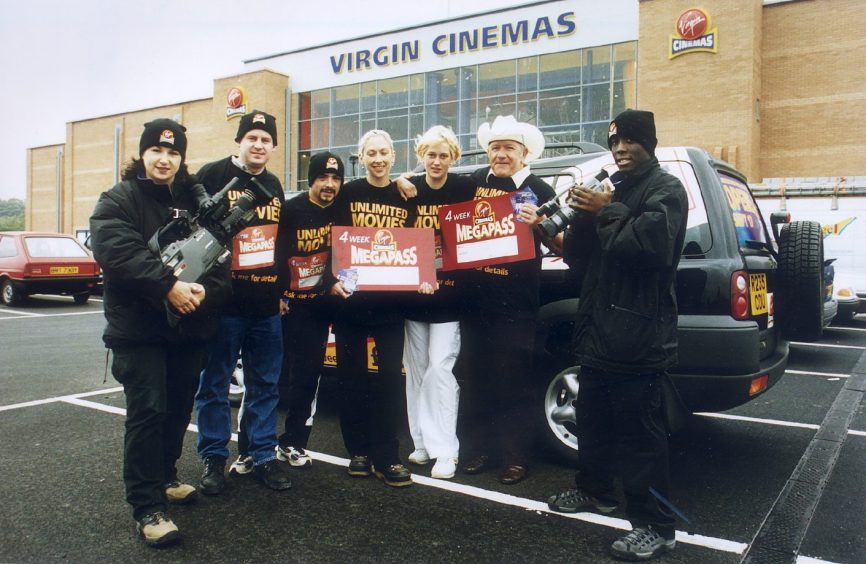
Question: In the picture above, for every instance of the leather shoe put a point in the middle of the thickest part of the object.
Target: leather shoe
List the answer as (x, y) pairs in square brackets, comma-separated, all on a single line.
[(477, 465), (512, 474)]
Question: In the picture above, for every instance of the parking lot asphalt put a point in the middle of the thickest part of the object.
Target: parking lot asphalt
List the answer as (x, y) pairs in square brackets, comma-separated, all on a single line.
[(61, 432)]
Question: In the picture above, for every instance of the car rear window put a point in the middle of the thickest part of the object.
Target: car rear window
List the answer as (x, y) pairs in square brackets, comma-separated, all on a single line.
[(744, 210), (53, 247)]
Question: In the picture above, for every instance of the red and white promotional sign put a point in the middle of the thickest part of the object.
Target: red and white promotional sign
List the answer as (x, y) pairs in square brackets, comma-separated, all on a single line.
[(254, 247), (376, 259), (482, 232)]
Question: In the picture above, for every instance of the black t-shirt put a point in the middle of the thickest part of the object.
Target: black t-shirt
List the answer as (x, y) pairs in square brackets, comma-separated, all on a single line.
[(303, 248), (360, 204), (254, 275), (444, 305), (509, 289)]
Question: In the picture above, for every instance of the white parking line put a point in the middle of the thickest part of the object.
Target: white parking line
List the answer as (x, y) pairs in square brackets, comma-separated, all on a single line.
[(24, 313), (722, 545), (758, 420), (51, 314), (820, 374), (827, 346)]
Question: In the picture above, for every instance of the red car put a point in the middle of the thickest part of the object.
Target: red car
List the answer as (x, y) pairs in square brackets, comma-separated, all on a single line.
[(45, 263)]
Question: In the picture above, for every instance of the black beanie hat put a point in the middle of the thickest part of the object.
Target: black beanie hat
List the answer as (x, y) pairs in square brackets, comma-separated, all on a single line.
[(322, 163), (163, 132), (257, 120), (637, 125)]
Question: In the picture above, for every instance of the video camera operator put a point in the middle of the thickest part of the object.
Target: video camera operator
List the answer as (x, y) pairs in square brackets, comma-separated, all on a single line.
[(626, 249), (157, 363), (249, 322)]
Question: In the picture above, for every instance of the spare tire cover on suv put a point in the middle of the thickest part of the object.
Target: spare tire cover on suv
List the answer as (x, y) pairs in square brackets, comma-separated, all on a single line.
[(800, 300)]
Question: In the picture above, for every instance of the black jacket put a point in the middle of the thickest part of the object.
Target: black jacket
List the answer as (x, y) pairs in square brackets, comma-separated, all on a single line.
[(628, 254), (136, 281)]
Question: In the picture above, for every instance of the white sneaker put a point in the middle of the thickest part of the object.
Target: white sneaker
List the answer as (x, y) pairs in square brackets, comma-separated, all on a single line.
[(296, 457), (419, 456), (444, 468), (243, 465)]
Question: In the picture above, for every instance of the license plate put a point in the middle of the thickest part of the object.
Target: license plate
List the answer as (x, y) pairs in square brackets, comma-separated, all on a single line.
[(63, 270), (758, 292)]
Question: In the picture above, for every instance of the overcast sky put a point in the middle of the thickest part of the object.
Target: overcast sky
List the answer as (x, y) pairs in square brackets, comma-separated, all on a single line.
[(63, 61)]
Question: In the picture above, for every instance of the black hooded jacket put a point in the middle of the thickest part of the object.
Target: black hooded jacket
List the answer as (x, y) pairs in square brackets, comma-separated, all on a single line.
[(136, 281), (628, 256)]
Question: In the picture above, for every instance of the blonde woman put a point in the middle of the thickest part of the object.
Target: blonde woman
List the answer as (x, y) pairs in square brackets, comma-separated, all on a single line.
[(432, 321), (370, 403)]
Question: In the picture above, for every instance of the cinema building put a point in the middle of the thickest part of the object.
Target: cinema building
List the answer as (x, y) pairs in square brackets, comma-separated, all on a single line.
[(772, 87)]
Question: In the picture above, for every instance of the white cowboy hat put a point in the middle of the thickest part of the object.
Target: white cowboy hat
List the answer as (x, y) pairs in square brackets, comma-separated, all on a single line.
[(506, 128)]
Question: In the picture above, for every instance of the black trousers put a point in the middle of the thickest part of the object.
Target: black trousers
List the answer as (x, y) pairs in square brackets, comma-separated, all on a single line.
[(370, 402), (305, 336), (621, 431), (159, 382), (498, 366)]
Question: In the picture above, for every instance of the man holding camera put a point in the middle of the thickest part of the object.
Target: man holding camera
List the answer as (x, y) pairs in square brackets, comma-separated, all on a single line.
[(249, 323), (501, 305), (625, 251)]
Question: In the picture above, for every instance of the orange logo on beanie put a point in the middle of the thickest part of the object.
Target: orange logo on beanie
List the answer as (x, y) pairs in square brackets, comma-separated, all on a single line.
[(167, 136), (259, 118), (332, 163)]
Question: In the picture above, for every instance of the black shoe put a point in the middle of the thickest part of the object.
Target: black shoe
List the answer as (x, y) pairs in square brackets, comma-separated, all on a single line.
[(572, 501), (643, 543), (513, 474), (396, 475), (213, 479), (360, 466), (477, 465), (272, 475)]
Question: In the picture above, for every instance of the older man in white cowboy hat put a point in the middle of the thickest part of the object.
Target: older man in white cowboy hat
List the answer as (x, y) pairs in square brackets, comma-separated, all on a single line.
[(500, 311)]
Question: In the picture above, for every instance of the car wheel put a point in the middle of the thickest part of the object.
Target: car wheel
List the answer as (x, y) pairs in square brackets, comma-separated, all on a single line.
[(560, 397), (81, 298), (11, 294), (236, 386), (800, 303)]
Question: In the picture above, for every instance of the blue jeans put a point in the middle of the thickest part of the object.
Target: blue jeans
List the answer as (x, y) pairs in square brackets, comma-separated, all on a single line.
[(260, 340)]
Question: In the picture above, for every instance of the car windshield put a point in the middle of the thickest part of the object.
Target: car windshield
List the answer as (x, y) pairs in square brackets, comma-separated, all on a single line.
[(53, 247)]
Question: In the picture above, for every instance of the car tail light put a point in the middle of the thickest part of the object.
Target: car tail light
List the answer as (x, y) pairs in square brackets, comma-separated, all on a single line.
[(740, 295), (759, 384)]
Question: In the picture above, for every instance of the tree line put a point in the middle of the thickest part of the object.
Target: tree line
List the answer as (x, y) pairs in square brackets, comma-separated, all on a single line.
[(12, 215)]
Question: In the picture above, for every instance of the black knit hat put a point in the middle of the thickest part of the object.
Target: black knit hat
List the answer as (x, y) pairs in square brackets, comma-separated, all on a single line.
[(163, 132), (257, 120), (637, 125), (322, 163)]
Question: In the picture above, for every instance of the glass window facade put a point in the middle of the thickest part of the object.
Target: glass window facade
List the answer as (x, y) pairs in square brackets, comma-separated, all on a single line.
[(570, 96)]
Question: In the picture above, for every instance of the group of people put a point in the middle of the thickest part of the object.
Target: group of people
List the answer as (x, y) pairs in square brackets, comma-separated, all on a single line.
[(276, 299)]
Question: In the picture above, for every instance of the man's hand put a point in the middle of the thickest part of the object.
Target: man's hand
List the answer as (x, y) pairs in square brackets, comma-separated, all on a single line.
[(185, 297), (528, 214), (427, 288), (589, 200), (338, 290), (407, 189)]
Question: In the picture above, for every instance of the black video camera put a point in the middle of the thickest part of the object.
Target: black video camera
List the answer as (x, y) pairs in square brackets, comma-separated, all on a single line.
[(192, 246), (558, 216)]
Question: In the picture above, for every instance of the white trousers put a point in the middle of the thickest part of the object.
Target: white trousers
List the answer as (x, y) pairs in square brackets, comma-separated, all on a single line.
[(432, 392)]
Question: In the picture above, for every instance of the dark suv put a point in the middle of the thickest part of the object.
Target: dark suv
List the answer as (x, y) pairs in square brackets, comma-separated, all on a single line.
[(743, 290)]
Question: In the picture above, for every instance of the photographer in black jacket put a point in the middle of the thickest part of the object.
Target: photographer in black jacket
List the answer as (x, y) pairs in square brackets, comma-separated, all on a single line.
[(627, 249), (158, 364)]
